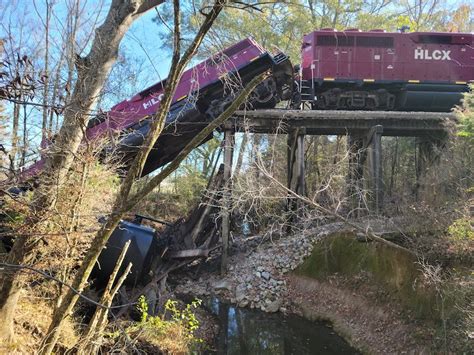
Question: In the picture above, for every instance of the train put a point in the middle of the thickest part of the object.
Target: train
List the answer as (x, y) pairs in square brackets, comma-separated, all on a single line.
[(203, 92), (339, 70)]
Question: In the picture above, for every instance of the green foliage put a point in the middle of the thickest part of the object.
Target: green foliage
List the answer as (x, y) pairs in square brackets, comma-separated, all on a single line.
[(173, 331), (283, 24), (466, 116), (461, 231), (142, 307)]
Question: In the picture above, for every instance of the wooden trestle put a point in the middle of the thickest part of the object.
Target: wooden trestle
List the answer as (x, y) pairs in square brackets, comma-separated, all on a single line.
[(364, 131)]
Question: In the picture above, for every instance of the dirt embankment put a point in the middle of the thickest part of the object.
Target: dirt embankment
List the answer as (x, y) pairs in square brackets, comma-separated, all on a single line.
[(262, 275), (368, 326)]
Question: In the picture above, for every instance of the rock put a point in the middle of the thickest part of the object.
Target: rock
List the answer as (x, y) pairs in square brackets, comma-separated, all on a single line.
[(273, 306), (258, 274), (243, 303), (240, 292), (222, 285), (266, 275)]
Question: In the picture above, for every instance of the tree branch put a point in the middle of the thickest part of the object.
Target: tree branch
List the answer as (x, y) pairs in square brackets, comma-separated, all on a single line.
[(156, 180)]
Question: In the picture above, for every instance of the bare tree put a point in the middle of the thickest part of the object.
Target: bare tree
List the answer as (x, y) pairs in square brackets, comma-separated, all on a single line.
[(92, 72), (124, 201)]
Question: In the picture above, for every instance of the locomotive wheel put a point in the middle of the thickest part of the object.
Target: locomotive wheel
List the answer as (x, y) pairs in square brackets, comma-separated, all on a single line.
[(271, 103)]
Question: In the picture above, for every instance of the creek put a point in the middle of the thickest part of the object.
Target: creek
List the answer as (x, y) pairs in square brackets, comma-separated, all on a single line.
[(247, 331)]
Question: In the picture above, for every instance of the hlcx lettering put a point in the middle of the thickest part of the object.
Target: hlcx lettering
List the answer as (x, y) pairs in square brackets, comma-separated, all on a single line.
[(152, 102), (434, 55)]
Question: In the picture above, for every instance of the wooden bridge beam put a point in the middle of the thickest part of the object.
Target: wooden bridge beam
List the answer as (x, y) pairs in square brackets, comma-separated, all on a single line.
[(373, 142), (296, 168)]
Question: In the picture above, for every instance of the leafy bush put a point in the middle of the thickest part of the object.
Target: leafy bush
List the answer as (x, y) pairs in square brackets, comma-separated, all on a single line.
[(173, 331), (461, 233)]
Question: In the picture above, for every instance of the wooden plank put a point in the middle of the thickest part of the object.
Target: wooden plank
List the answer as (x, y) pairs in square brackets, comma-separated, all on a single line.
[(337, 114), (296, 172), (189, 253)]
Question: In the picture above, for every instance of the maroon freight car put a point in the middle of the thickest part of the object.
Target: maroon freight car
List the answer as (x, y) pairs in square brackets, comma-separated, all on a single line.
[(380, 70), (204, 91)]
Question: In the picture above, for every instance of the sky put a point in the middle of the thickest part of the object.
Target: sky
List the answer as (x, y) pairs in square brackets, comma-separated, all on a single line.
[(23, 20)]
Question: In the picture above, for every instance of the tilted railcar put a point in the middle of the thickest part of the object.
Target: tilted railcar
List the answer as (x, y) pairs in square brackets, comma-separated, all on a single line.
[(204, 91), (378, 70)]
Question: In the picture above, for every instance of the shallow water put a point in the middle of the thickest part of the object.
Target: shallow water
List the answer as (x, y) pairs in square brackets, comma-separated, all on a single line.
[(246, 331)]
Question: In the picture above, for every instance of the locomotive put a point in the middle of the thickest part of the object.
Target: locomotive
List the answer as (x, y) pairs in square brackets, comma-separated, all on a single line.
[(378, 70), (340, 70)]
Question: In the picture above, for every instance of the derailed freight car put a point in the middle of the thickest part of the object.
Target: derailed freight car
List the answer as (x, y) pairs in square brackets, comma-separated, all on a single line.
[(378, 70), (203, 92)]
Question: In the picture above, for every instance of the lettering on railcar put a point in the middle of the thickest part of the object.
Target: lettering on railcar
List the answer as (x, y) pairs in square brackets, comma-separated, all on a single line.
[(426, 54), (153, 101)]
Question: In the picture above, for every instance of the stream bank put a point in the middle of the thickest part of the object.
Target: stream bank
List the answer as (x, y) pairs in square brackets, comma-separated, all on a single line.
[(365, 292)]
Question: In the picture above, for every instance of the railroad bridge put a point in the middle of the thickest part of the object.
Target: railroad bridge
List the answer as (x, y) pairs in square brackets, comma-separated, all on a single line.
[(364, 130)]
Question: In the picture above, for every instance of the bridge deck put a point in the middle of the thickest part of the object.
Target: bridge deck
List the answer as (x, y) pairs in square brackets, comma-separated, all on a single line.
[(344, 122)]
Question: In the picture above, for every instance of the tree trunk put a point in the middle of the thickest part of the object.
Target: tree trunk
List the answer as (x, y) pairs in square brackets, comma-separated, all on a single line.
[(92, 72), (15, 126), (24, 148), (124, 203), (240, 158), (46, 72)]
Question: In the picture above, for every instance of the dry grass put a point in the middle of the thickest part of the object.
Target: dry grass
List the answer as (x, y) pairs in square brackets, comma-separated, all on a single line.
[(174, 339), (31, 322), (64, 236)]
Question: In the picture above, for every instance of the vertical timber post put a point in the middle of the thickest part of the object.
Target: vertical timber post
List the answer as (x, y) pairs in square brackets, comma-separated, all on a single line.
[(296, 170), (427, 153), (226, 194), (355, 176), (374, 141)]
